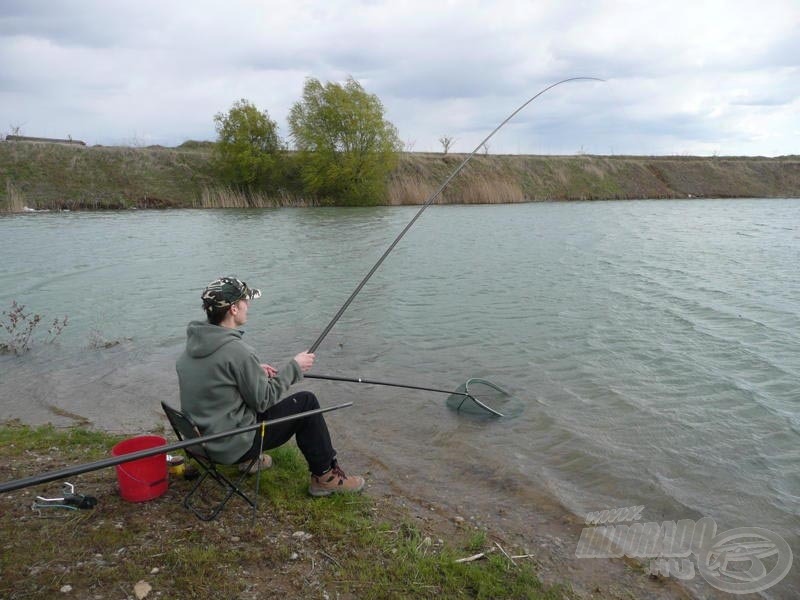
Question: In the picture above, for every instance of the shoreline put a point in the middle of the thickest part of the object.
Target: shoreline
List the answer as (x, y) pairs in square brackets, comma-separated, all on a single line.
[(32, 211)]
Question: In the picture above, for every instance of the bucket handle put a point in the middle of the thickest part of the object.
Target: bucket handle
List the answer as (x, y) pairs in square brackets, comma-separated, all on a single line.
[(136, 479)]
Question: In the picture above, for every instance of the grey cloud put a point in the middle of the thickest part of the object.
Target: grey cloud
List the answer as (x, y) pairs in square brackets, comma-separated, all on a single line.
[(71, 23), (469, 76), (784, 52), (767, 99)]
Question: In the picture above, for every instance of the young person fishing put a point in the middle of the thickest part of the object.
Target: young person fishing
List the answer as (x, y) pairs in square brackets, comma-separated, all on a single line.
[(224, 386)]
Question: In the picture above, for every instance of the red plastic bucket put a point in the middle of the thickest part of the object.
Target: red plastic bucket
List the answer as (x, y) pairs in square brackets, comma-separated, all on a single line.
[(145, 478)]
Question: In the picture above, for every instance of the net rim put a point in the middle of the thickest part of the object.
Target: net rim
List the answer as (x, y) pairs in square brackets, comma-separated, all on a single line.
[(484, 382), (488, 409)]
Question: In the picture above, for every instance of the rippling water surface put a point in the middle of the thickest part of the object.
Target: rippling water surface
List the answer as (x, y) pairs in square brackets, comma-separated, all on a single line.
[(656, 344)]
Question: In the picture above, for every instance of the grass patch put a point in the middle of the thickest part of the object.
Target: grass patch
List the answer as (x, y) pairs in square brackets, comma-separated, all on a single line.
[(58, 176), (359, 546), (17, 440)]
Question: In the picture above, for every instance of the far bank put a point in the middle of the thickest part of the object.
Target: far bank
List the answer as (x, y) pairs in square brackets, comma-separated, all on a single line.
[(55, 176)]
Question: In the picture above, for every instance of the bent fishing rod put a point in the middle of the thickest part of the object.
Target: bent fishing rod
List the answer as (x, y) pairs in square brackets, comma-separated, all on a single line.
[(17, 484), (430, 201)]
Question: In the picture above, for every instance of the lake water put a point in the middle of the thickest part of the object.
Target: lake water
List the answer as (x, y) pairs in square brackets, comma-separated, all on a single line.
[(655, 344)]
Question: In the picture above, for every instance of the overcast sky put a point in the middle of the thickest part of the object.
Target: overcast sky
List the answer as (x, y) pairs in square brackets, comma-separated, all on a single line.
[(693, 77)]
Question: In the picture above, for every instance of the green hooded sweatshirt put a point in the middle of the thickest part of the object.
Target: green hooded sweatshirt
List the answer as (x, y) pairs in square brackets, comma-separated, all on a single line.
[(223, 386)]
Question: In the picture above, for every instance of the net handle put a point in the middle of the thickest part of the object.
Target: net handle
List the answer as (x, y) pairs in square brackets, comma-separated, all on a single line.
[(465, 393), (386, 383)]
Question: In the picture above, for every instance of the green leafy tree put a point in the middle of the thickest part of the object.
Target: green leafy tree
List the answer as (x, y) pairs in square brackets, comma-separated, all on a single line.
[(347, 148), (248, 153)]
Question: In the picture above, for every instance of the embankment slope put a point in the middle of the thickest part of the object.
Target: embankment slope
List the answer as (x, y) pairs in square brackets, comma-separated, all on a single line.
[(53, 176)]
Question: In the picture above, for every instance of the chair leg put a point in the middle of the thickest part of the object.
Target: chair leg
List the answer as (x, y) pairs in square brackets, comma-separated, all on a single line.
[(225, 483), (234, 487), (187, 499)]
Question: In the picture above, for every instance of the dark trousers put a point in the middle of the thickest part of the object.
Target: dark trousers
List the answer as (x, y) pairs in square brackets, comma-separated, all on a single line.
[(311, 433)]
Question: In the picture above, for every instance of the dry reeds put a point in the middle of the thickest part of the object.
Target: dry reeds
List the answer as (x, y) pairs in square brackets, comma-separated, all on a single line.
[(408, 190), (14, 202), (225, 197), (488, 191)]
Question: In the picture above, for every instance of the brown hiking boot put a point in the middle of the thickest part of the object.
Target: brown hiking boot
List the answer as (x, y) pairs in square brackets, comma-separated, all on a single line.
[(333, 482), (265, 461)]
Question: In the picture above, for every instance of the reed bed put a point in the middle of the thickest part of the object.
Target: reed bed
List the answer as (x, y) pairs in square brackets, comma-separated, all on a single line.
[(414, 190), (488, 191), (226, 197), (13, 202), (409, 189)]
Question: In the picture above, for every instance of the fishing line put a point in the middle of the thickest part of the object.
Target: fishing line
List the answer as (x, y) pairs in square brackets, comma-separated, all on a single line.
[(430, 201)]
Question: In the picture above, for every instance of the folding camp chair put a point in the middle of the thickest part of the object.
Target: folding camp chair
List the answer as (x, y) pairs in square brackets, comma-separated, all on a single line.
[(185, 429)]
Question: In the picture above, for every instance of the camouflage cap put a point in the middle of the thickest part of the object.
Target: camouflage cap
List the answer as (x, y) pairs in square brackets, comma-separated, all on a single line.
[(225, 291)]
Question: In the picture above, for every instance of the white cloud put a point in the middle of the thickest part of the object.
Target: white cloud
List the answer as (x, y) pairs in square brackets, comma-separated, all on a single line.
[(683, 77)]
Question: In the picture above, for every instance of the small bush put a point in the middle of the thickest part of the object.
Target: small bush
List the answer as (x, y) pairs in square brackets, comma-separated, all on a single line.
[(20, 326), (197, 145), (97, 341)]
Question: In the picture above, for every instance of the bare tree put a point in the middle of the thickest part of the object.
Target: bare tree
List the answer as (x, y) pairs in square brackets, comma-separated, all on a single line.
[(447, 142), (16, 128), (485, 149), (410, 145)]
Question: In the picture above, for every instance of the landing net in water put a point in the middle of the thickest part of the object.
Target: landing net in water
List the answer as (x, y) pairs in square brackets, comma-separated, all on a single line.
[(483, 398)]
